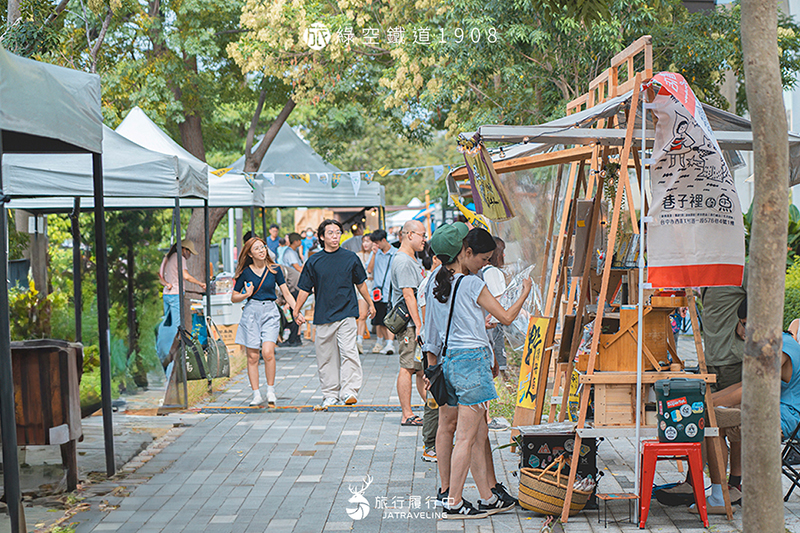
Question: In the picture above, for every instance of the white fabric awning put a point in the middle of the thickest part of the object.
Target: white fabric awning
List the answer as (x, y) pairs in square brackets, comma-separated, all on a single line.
[(234, 190), (193, 173), (49, 101), (128, 171)]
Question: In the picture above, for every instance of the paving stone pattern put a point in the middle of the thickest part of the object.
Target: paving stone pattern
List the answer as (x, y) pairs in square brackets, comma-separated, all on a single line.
[(292, 471)]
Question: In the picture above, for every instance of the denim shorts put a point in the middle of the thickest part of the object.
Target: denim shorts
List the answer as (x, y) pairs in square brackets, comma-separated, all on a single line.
[(468, 376)]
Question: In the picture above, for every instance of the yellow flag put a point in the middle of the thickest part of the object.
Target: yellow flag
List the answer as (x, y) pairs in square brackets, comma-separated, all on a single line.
[(304, 177), (476, 220), (383, 171), (221, 171)]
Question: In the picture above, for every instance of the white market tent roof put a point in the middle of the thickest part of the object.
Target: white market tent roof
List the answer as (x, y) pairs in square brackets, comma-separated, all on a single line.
[(128, 171), (289, 154), (731, 131), (193, 173), (229, 190), (72, 111)]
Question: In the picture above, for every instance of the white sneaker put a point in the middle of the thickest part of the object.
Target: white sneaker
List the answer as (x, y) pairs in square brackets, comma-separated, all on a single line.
[(271, 399), (389, 348), (257, 399), (378, 347), (329, 402), (360, 346)]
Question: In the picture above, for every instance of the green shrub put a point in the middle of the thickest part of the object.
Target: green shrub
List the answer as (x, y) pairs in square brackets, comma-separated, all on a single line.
[(31, 312)]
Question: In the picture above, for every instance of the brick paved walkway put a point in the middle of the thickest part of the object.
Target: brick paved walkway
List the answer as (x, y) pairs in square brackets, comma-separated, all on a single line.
[(289, 471)]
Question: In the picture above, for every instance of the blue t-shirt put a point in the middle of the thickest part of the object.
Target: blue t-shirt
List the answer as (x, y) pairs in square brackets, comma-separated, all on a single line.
[(267, 290), (308, 243), (273, 244), (790, 392), (331, 276)]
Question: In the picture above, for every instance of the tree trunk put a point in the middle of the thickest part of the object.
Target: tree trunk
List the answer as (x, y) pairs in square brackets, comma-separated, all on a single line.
[(195, 229), (763, 501), (13, 13)]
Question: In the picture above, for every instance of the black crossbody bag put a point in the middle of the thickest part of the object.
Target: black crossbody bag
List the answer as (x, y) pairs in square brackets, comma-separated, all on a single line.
[(434, 373)]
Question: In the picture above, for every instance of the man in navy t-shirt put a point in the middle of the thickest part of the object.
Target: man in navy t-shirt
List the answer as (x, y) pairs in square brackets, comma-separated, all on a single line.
[(331, 275)]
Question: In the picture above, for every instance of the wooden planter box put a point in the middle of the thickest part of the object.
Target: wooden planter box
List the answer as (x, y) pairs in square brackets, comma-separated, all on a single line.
[(47, 397)]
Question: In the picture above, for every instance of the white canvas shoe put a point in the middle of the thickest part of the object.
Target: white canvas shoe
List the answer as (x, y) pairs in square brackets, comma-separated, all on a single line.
[(257, 399), (271, 399)]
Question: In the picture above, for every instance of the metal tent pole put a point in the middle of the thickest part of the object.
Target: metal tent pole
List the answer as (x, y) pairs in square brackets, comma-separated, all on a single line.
[(207, 227), (264, 224), (8, 422), (77, 297), (253, 221), (176, 214), (102, 311), (640, 308)]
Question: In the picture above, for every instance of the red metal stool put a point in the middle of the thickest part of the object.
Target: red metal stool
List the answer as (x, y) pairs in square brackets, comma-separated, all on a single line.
[(653, 451)]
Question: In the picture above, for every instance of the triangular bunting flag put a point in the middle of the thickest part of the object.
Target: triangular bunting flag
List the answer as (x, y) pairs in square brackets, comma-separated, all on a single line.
[(368, 176), (251, 178), (438, 170), (221, 171), (398, 172), (383, 171), (323, 178), (269, 177), (336, 178), (355, 179), (304, 177)]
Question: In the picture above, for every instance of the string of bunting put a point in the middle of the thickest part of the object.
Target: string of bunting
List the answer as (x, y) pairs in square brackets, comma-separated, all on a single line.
[(335, 178)]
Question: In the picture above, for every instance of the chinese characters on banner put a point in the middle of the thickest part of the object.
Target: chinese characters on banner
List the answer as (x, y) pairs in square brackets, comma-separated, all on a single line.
[(531, 362), (696, 238), (488, 193)]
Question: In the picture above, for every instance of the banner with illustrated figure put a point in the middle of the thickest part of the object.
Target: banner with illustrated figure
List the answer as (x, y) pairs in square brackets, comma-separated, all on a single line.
[(696, 237)]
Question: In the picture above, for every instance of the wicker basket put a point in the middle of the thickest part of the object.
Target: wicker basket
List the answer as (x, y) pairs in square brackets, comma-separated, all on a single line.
[(544, 491)]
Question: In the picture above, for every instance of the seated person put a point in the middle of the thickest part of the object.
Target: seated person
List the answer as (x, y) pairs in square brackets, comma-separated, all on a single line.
[(727, 404), (728, 401)]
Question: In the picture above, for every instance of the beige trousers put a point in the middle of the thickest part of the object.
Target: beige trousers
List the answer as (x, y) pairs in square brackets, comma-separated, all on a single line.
[(337, 359)]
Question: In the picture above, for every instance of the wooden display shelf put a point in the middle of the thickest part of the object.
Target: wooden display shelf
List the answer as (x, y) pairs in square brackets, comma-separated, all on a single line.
[(647, 377)]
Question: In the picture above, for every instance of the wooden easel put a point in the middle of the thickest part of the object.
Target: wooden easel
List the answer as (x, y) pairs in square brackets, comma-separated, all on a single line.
[(624, 377)]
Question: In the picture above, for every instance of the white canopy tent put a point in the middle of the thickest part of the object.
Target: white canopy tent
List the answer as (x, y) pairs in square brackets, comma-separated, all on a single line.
[(72, 111), (289, 154), (133, 175), (48, 109), (228, 190)]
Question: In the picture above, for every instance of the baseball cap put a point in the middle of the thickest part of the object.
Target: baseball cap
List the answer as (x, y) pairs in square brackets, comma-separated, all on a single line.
[(448, 240)]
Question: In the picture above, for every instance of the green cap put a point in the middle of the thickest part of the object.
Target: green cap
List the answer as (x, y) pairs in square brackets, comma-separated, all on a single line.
[(448, 240)]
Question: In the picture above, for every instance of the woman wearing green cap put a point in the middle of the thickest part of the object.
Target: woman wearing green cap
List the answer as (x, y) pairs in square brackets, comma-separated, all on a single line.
[(466, 362)]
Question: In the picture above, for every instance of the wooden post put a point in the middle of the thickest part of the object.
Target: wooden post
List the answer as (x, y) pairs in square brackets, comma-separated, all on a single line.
[(598, 322)]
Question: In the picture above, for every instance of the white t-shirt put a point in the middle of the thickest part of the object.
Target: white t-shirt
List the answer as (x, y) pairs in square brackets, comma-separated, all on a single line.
[(495, 280), (468, 329)]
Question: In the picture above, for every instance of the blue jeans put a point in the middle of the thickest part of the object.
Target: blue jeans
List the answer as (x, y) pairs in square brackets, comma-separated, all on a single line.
[(468, 376)]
